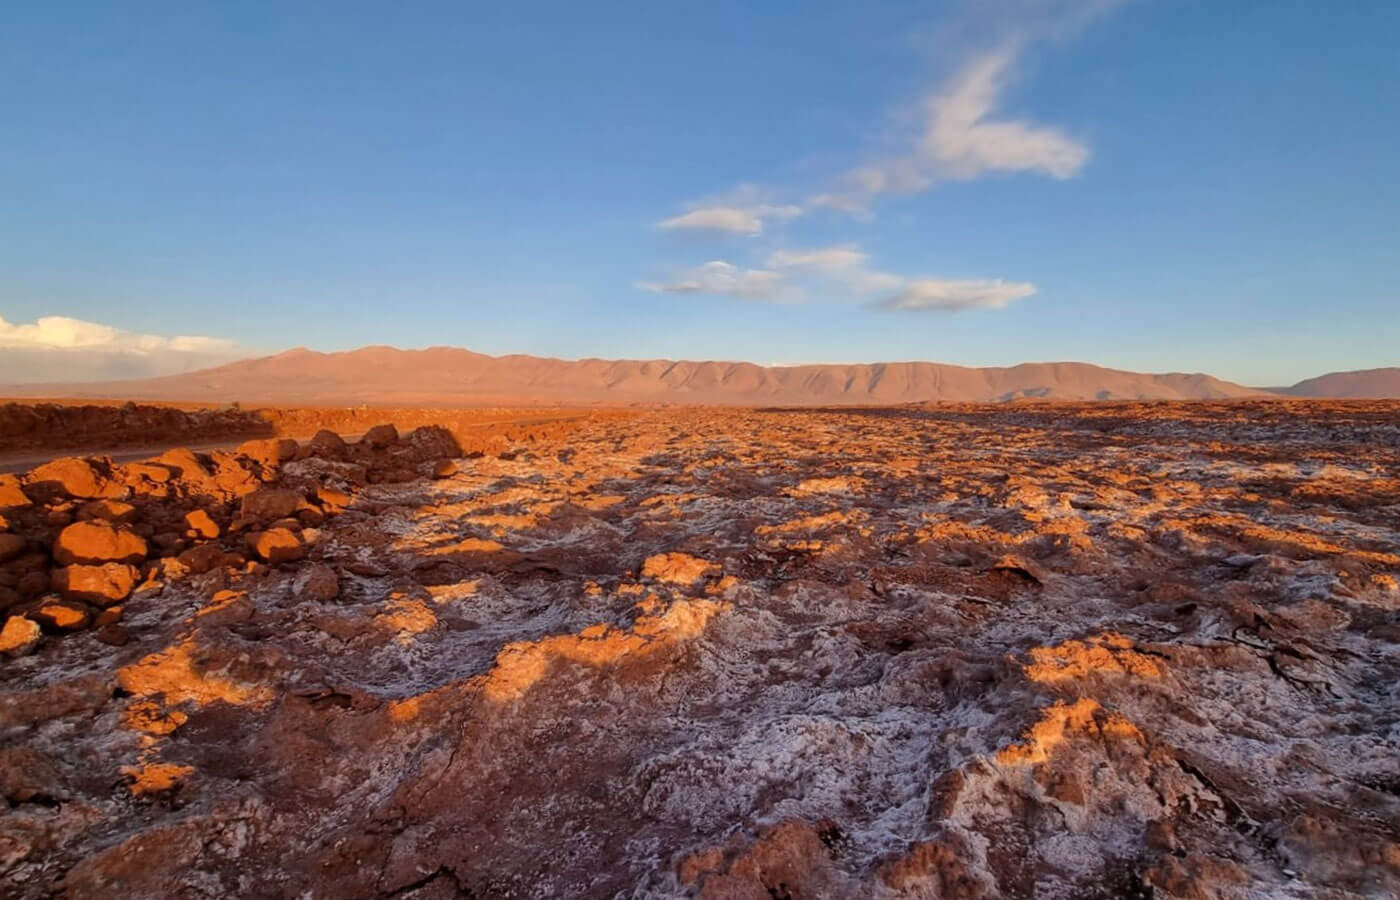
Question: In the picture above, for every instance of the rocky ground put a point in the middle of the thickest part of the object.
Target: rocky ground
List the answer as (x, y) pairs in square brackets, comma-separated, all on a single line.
[(1118, 650)]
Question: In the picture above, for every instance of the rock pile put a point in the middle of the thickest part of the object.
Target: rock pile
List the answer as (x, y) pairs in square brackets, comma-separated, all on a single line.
[(79, 536)]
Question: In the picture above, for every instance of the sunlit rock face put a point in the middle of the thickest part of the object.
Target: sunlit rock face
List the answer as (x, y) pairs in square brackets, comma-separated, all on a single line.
[(1119, 650)]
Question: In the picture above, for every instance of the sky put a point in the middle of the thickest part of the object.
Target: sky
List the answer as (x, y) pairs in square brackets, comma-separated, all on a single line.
[(1155, 185)]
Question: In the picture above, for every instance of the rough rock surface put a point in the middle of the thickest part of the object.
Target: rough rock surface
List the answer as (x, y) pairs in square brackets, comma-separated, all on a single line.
[(95, 542), (1109, 651), (101, 585)]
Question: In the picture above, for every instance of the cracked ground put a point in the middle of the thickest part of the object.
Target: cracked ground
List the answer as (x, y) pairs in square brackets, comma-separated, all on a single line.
[(1061, 651)]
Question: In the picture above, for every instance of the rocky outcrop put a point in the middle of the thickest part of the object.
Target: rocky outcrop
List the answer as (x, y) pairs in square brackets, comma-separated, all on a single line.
[(79, 537)]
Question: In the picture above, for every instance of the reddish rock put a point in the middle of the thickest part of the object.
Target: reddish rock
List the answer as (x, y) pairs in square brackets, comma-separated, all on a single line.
[(269, 452), (207, 557), (202, 524), (328, 445), (311, 517), (168, 542), (277, 545), (317, 582), (232, 474), (332, 499), (32, 583), (19, 637), (97, 542), (11, 495), (271, 503), (397, 475), (444, 468), (111, 510), (8, 597), (76, 478), (188, 469), (149, 471), (113, 635), (62, 615), (381, 436), (107, 616), (433, 441), (100, 585), (11, 545)]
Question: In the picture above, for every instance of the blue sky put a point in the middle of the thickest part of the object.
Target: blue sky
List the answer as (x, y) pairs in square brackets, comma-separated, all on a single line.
[(1163, 185)]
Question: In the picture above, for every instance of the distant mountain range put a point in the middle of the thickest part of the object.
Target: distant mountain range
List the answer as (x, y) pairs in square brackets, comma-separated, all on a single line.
[(447, 376), (1374, 383)]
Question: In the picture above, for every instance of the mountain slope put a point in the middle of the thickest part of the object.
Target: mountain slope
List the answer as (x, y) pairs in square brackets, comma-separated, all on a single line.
[(452, 376), (1373, 383)]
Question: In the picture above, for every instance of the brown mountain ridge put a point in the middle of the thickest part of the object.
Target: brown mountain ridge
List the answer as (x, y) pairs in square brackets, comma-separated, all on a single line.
[(449, 376)]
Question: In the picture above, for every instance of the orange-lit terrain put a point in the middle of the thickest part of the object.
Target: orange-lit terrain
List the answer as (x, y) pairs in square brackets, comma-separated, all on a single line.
[(1059, 651)]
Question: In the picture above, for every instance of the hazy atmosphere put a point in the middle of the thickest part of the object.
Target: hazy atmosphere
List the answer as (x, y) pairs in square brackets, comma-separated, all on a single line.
[(1161, 186)]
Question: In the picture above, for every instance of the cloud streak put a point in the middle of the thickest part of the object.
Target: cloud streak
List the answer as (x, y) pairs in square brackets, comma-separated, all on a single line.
[(845, 266), (720, 278), (945, 295), (60, 348)]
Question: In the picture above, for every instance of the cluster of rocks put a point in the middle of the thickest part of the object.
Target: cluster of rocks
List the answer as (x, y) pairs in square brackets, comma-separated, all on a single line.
[(79, 536), (51, 426)]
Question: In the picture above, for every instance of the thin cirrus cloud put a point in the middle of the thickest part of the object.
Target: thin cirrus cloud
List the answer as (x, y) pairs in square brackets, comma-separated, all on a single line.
[(720, 278), (730, 218), (951, 295), (60, 348), (846, 267)]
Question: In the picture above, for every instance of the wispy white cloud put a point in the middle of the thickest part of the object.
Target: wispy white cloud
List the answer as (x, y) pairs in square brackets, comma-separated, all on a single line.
[(944, 295), (844, 264), (840, 257), (845, 267), (60, 348), (729, 219), (720, 278), (743, 211), (962, 139), (960, 135), (959, 132)]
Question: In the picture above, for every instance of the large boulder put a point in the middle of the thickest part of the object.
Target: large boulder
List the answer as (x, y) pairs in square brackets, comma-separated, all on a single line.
[(233, 474), (76, 478), (277, 545), (269, 452), (207, 557), (327, 444), (271, 503), (96, 542), (381, 436), (188, 469), (101, 585), (111, 510), (432, 442)]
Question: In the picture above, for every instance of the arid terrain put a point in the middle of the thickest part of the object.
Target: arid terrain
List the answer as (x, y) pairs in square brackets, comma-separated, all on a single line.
[(1052, 651)]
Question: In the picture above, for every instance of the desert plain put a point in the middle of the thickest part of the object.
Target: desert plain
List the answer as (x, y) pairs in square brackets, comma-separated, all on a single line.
[(1053, 650)]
